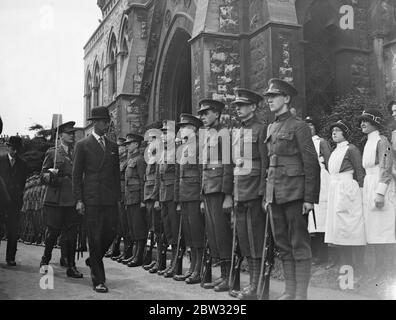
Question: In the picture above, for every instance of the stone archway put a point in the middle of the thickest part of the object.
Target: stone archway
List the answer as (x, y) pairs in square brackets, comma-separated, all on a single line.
[(175, 88)]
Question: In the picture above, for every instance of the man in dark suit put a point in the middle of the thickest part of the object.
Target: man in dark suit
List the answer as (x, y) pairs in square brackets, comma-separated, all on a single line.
[(293, 185), (59, 201), (13, 170), (4, 196), (96, 186)]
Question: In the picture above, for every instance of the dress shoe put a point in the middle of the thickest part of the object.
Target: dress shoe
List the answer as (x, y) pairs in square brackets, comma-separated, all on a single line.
[(101, 288), (126, 261), (211, 285), (135, 263), (195, 278), (120, 259), (11, 263), (72, 272), (182, 277), (154, 269), (147, 267), (222, 287), (170, 273)]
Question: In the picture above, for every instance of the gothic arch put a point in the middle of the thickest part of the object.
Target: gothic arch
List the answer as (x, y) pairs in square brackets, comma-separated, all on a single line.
[(172, 79)]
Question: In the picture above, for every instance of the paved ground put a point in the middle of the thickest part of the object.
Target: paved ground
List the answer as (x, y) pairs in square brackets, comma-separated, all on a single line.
[(23, 282)]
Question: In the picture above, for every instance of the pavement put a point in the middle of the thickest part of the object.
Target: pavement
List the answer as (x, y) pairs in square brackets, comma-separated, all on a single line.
[(23, 282)]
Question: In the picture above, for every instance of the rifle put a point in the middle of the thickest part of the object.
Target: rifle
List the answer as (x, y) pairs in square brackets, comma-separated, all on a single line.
[(148, 253), (268, 257), (178, 262), (236, 261), (162, 248), (206, 266)]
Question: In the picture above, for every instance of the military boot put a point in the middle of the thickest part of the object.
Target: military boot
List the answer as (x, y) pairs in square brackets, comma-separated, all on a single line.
[(216, 282), (168, 268), (170, 272), (224, 285), (303, 275), (289, 274), (137, 260), (250, 292), (128, 253)]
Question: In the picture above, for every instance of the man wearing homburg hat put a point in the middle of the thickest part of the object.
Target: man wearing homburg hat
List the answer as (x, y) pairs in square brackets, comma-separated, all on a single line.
[(217, 185), (293, 185), (13, 170), (250, 174), (96, 185), (60, 202), (134, 197), (188, 194)]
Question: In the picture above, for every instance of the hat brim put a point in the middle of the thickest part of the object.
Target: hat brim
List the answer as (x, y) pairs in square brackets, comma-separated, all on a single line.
[(368, 119), (341, 127), (243, 102), (98, 118)]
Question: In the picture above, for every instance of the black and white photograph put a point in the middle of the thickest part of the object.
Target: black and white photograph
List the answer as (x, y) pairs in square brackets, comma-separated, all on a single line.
[(215, 151)]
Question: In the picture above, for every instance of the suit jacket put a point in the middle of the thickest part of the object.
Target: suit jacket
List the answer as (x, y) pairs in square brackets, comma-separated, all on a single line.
[(134, 179), (96, 173), (250, 172), (294, 171), (59, 192), (14, 179), (217, 177)]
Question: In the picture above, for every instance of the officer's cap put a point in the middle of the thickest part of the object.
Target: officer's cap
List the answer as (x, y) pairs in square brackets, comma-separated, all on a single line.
[(280, 87), (209, 104), (133, 137), (245, 96), (67, 127), (186, 119)]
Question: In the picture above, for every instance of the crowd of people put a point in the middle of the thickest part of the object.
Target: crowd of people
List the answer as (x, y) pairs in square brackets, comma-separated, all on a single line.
[(186, 192)]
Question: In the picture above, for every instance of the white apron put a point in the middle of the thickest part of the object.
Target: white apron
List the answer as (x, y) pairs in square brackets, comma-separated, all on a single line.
[(380, 223), (321, 208), (344, 221)]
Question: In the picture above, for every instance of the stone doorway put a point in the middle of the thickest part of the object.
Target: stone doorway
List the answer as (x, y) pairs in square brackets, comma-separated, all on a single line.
[(175, 96)]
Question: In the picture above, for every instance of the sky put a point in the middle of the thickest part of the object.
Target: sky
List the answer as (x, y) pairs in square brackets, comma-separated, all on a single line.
[(42, 60)]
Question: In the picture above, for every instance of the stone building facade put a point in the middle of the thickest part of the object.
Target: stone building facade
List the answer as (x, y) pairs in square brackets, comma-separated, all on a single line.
[(153, 59)]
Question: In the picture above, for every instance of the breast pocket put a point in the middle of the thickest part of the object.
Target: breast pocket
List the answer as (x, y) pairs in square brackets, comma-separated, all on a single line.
[(285, 144)]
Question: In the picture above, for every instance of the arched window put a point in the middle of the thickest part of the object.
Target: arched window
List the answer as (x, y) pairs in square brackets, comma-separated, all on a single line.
[(96, 86), (113, 66), (88, 94), (124, 42)]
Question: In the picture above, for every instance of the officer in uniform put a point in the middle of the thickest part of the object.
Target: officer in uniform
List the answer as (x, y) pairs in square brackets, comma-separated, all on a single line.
[(170, 217), (217, 188), (187, 194), (293, 185), (134, 195), (59, 201), (151, 195), (249, 177)]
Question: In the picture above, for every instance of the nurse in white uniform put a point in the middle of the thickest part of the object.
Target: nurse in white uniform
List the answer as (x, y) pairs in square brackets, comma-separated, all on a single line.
[(345, 221), (317, 232), (378, 192)]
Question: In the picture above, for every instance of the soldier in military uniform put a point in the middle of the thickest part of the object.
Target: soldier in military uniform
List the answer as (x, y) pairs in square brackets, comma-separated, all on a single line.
[(151, 193), (170, 217), (249, 177), (187, 194), (217, 188), (293, 185), (134, 195), (60, 202)]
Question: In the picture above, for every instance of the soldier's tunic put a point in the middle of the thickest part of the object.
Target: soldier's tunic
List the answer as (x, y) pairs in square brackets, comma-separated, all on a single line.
[(249, 177), (60, 203), (123, 227), (187, 193), (293, 178), (134, 195), (378, 161), (217, 181), (165, 183)]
